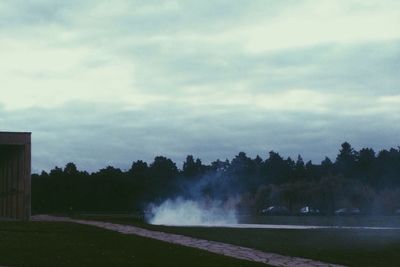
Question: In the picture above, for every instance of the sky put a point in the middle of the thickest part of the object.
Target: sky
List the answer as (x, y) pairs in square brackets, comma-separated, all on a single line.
[(110, 82)]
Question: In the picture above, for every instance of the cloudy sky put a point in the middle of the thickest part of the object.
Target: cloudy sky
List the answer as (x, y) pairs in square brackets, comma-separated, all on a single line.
[(109, 82)]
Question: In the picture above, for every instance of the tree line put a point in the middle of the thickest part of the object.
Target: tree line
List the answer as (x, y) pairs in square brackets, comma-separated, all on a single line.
[(363, 179)]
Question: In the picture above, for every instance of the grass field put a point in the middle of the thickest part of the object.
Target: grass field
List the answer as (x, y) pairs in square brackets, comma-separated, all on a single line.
[(348, 247), (40, 244)]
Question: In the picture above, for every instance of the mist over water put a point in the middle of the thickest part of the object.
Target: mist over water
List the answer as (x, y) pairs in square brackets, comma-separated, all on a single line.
[(183, 212), (206, 200)]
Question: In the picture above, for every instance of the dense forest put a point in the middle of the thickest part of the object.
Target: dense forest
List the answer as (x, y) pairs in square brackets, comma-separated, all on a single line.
[(362, 179)]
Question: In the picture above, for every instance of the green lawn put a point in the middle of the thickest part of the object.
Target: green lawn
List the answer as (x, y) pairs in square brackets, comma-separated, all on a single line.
[(40, 244), (348, 247)]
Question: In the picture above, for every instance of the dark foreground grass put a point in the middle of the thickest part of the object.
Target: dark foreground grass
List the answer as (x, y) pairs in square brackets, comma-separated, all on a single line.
[(65, 244), (348, 247)]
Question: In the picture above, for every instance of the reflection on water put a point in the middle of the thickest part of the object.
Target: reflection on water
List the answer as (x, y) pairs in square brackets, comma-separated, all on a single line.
[(336, 221)]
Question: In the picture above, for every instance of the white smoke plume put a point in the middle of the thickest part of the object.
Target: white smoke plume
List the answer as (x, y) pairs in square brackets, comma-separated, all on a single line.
[(181, 212)]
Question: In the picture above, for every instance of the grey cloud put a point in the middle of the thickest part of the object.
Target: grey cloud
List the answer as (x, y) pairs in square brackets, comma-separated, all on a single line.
[(172, 50), (29, 14), (368, 68), (94, 136), (174, 63)]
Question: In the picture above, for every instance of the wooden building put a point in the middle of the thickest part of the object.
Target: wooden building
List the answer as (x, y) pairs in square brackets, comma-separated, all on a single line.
[(15, 175)]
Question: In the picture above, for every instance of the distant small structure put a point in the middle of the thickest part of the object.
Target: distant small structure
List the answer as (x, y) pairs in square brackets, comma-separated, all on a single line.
[(15, 175)]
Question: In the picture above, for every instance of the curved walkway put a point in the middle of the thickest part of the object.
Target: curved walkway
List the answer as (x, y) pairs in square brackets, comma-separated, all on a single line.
[(211, 246)]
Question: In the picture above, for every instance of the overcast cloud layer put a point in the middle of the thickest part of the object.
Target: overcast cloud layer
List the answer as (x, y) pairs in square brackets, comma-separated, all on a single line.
[(109, 82)]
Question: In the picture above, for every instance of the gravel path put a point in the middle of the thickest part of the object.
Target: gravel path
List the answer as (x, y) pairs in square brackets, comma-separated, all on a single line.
[(212, 246)]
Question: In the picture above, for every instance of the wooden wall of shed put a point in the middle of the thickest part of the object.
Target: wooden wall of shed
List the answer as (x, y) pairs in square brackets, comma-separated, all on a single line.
[(15, 172)]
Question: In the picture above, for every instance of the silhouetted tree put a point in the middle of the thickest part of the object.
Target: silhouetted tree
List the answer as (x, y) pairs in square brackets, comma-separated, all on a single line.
[(192, 168), (70, 169), (346, 160), (363, 179)]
